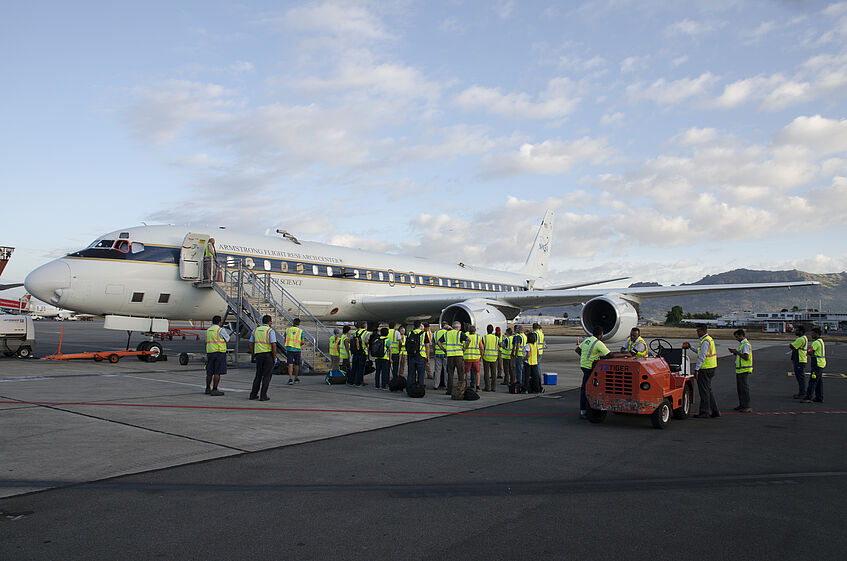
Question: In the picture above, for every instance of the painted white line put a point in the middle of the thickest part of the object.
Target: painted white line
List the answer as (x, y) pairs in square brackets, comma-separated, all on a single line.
[(184, 383)]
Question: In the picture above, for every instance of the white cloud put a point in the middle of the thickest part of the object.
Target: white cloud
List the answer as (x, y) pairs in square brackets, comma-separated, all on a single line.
[(816, 133), (691, 28), (557, 101), (504, 8), (672, 92), (550, 157), (612, 118), (338, 18), (694, 136)]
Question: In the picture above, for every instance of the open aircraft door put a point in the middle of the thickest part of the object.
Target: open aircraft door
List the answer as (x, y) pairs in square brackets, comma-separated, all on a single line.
[(191, 257)]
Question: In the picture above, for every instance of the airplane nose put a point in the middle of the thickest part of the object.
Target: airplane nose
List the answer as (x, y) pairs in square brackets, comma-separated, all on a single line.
[(49, 281)]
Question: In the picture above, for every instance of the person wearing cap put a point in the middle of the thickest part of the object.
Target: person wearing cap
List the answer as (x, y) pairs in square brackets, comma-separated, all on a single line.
[(335, 349)]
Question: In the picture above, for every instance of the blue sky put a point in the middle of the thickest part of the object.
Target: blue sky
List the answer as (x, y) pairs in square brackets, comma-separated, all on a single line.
[(674, 140)]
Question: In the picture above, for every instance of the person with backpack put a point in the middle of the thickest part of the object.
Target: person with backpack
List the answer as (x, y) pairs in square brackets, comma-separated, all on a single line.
[(472, 349), (359, 354), (417, 350), (380, 349)]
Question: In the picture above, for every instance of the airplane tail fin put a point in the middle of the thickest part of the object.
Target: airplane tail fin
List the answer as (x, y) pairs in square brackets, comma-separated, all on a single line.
[(539, 254)]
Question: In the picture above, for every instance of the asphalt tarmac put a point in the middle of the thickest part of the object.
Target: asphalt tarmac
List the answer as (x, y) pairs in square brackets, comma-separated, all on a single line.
[(518, 480)]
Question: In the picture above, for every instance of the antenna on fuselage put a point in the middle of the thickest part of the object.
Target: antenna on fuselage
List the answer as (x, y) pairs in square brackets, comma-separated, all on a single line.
[(287, 234)]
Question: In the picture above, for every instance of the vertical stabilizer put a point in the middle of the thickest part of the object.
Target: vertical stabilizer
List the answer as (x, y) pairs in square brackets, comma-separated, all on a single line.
[(539, 253)]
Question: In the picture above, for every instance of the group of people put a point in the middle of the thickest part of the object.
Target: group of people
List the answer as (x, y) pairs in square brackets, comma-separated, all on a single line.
[(449, 355)]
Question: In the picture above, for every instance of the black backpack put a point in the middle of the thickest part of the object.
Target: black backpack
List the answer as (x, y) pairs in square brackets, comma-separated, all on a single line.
[(397, 384), (413, 344), (416, 390), (470, 394), (356, 345), (377, 347)]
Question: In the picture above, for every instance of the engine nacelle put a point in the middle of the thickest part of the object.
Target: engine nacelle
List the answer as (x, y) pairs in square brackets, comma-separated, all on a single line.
[(477, 312), (615, 314)]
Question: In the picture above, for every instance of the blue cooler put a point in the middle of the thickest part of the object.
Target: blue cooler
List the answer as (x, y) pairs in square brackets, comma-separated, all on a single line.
[(550, 378)]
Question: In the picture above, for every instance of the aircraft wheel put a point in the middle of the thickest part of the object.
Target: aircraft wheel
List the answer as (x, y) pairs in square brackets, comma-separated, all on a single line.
[(113, 358), (685, 409), (183, 359), (157, 351), (24, 352), (662, 415), (143, 346)]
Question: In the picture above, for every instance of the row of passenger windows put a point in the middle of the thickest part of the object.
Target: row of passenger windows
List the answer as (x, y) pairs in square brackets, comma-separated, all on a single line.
[(164, 298), (390, 277)]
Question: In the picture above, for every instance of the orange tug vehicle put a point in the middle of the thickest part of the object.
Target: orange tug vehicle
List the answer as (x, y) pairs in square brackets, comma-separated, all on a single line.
[(661, 386)]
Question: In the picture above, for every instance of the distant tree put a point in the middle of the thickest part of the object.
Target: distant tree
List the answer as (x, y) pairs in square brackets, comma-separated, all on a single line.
[(795, 309), (674, 316), (701, 315), (565, 315), (784, 310)]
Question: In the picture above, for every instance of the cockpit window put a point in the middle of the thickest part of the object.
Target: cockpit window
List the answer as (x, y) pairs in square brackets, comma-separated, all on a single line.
[(104, 244), (122, 246), (137, 247)]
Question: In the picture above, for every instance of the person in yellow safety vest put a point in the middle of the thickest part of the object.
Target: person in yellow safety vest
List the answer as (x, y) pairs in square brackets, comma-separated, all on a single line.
[(590, 350), (383, 361), (453, 349), (417, 361), (490, 353), (539, 340), (472, 351), (635, 345), (799, 358), (817, 352), (359, 352), (704, 371), (210, 257), (532, 374), (216, 339), (344, 349), (404, 354), (439, 374), (506, 357), (263, 348), (394, 338), (293, 346), (518, 345), (743, 368), (334, 349)]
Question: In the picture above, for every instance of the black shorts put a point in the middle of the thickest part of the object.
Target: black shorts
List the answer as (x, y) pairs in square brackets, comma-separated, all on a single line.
[(215, 364), (293, 357)]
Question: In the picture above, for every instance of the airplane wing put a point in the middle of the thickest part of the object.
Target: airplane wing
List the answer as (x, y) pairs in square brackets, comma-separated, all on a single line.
[(512, 303), (8, 286)]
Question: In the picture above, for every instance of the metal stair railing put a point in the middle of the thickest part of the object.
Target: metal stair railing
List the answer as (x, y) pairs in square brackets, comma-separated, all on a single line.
[(241, 284)]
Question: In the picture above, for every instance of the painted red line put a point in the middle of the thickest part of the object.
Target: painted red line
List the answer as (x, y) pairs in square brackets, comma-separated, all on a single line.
[(296, 410)]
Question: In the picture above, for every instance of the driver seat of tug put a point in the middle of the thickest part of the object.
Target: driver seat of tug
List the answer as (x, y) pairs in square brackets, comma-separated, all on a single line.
[(672, 356)]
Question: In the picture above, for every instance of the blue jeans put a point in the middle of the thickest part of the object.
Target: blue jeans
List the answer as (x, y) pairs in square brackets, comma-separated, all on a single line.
[(383, 367), (357, 376), (395, 365), (417, 371), (815, 383), (517, 366)]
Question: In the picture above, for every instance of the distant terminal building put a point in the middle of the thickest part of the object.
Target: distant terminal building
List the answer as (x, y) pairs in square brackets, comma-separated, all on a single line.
[(780, 322)]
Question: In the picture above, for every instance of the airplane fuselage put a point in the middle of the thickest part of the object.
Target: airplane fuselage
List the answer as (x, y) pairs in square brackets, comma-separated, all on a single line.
[(142, 277)]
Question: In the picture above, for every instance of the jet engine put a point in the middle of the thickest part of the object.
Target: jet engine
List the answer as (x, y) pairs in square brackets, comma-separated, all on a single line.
[(616, 314), (477, 312)]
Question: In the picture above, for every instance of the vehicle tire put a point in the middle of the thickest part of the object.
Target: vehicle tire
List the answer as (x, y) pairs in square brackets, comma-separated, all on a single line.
[(157, 351), (662, 415), (183, 359), (143, 346), (7, 354), (24, 352), (687, 399), (113, 358), (596, 415)]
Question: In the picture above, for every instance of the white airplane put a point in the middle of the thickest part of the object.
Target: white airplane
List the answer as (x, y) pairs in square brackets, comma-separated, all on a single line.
[(151, 271)]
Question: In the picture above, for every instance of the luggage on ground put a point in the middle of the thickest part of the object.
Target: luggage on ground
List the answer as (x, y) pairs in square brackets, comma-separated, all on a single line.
[(470, 394), (397, 384), (416, 390), (459, 391), (334, 377)]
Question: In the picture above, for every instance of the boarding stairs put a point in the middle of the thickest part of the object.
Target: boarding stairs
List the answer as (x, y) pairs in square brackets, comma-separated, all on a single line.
[(251, 295)]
